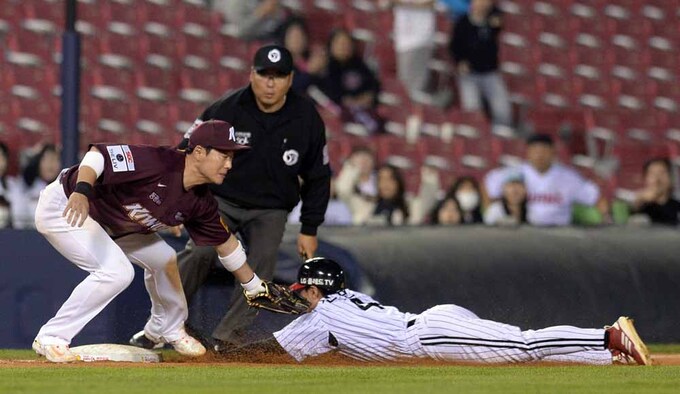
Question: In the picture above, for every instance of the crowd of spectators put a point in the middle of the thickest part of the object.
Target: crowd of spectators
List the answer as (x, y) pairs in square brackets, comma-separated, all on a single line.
[(540, 191)]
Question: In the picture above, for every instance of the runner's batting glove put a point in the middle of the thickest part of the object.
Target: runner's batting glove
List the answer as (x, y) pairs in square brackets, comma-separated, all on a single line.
[(277, 298)]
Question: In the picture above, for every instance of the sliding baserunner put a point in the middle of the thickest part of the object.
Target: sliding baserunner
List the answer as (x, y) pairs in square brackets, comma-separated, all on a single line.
[(355, 325)]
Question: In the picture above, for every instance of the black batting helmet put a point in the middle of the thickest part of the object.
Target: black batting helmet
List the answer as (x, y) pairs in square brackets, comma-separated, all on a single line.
[(321, 272)]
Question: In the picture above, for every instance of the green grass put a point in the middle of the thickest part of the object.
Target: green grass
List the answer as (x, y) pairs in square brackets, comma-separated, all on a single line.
[(227, 378)]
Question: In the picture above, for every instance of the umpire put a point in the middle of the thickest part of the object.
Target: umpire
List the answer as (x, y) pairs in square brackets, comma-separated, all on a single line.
[(288, 161)]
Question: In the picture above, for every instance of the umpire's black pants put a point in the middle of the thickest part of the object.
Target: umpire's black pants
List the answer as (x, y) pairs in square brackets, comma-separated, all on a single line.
[(261, 231)]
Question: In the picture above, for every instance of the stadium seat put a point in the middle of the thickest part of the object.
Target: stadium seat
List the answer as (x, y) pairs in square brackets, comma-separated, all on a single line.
[(199, 75), (401, 153), (154, 122), (33, 115), (27, 70), (165, 12), (385, 57), (120, 38), (122, 11), (32, 41), (197, 41), (110, 116), (186, 113), (114, 70), (163, 78)]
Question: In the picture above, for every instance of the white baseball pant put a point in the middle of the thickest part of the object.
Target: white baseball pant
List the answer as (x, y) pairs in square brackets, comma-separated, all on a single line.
[(453, 333), (90, 248)]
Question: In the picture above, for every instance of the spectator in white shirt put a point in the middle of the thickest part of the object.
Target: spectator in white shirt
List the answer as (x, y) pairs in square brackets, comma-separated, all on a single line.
[(511, 210), (552, 188), (414, 30), (41, 170)]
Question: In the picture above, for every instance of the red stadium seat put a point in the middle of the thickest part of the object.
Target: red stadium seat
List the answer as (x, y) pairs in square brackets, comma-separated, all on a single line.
[(401, 153), (203, 78), (166, 13), (154, 122), (30, 41), (198, 43), (120, 38), (114, 70), (35, 117), (158, 78), (122, 11), (28, 70)]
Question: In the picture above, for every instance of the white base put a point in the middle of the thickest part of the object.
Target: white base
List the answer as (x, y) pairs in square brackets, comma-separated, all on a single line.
[(113, 352)]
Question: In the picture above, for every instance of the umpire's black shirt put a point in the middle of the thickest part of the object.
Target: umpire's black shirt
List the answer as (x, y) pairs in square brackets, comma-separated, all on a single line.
[(284, 145)]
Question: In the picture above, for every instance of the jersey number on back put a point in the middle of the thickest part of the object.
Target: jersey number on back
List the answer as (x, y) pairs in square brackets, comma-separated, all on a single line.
[(363, 306)]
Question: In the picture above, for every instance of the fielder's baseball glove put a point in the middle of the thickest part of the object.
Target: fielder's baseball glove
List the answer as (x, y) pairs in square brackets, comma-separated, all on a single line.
[(277, 298)]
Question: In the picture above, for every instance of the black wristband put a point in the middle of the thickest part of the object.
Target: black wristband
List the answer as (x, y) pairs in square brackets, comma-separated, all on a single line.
[(83, 188)]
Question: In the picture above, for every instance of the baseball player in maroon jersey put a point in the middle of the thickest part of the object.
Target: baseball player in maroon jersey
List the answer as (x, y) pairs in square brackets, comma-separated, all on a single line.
[(104, 214)]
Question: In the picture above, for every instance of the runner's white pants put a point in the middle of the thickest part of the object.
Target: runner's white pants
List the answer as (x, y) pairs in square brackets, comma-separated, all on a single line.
[(453, 333), (90, 248)]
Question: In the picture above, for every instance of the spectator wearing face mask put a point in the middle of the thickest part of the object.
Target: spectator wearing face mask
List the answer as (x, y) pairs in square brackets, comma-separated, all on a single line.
[(656, 200), (467, 193), (511, 210)]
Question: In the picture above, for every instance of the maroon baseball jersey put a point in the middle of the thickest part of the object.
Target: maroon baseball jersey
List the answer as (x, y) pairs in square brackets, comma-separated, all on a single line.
[(141, 191)]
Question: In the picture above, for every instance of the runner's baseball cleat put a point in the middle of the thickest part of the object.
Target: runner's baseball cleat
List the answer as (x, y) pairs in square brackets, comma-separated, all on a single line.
[(624, 338)]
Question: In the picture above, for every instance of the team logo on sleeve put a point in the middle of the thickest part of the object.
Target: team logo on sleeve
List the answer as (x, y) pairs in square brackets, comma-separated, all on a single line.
[(121, 158), (290, 157)]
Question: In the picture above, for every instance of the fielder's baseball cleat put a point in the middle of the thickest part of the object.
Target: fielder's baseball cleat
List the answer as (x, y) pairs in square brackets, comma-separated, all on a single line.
[(141, 340), (55, 353), (188, 346), (624, 338)]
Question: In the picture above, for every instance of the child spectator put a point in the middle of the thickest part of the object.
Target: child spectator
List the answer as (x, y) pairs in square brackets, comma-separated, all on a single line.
[(446, 213), (511, 210)]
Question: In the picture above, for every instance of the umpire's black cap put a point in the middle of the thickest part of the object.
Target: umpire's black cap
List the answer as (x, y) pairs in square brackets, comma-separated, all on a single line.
[(275, 58), (320, 272)]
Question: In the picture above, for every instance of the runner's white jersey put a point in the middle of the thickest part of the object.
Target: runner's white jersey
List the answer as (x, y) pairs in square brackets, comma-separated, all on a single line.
[(352, 323)]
